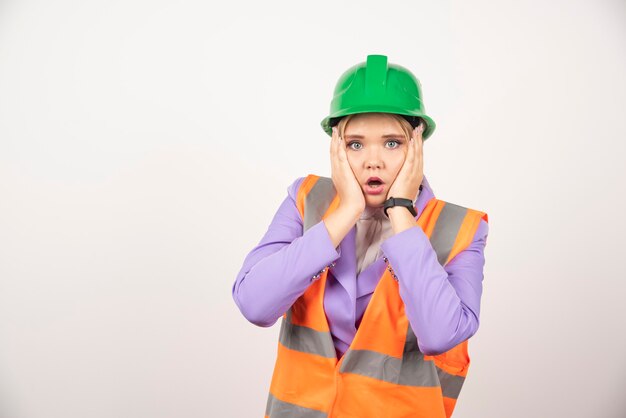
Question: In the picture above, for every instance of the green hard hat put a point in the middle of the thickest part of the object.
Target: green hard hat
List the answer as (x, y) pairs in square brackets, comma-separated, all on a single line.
[(377, 86)]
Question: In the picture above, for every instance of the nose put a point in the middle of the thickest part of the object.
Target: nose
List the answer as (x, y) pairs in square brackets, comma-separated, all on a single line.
[(373, 160), (374, 164)]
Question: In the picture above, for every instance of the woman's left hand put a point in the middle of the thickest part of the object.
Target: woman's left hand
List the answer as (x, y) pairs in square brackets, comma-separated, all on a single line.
[(411, 174)]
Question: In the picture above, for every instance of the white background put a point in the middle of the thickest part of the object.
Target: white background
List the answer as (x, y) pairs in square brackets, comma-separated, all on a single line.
[(146, 145)]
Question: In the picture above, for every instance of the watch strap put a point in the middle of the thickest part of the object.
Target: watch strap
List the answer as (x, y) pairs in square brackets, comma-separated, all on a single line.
[(399, 201)]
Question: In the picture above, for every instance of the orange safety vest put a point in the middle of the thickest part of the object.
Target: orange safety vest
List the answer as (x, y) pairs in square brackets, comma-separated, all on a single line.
[(383, 373)]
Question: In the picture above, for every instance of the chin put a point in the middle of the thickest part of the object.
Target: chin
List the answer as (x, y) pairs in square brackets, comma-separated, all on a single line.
[(375, 201)]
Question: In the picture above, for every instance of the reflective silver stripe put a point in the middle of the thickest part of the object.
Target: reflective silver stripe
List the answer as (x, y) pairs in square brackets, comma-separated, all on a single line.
[(280, 409), (410, 370), (418, 372), (415, 370), (305, 339), (372, 364), (451, 384), (446, 229), (317, 201)]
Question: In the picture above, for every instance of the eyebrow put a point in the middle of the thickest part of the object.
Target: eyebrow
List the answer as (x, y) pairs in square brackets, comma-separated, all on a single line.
[(384, 136)]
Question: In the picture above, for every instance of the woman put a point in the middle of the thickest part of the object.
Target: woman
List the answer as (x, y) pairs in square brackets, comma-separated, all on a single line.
[(377, 281)]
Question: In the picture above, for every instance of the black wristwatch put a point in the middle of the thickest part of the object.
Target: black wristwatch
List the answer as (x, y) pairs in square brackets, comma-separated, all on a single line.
[(399, 201)]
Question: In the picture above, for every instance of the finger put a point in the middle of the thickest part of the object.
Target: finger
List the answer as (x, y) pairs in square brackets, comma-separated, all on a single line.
[(344, 155), (416, 137), (421, 141), (333, 150), (418, 141), (421, 138), (342, 149), (420, 147), (411, 151)]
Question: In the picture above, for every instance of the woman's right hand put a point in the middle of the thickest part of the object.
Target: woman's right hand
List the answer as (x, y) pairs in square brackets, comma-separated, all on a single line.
[(347, 186)]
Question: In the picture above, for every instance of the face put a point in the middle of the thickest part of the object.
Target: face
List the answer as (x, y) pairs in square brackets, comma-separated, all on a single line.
[(376, 146)]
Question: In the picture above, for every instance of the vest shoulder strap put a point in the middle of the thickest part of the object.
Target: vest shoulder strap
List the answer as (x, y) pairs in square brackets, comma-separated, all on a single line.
[(314, 199), (453, 230)]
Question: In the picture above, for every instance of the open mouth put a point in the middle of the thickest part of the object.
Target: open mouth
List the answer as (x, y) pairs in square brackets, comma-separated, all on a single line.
[(374, 181), (374, 186)]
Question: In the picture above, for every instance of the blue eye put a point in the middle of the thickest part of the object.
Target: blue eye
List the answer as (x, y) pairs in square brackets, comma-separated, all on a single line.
[(397, 142)]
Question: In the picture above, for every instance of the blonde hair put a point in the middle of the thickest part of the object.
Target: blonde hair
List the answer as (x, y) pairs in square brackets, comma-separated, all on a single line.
[(406, 126)]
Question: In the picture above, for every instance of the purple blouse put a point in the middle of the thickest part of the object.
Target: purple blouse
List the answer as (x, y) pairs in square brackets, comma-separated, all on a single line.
[(442, 304)]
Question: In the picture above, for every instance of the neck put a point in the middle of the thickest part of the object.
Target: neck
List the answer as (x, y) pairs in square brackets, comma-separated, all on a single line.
[(372, 211)]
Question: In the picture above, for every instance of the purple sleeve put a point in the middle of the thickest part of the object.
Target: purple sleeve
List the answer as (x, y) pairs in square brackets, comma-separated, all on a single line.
[(442, 304), (281, 267)]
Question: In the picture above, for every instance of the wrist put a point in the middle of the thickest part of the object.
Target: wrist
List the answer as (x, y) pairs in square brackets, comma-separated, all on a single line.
[(401, 219), (394, 210)]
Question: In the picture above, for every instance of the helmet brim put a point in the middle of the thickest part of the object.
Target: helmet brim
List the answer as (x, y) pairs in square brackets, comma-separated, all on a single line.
[(329, 121)]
